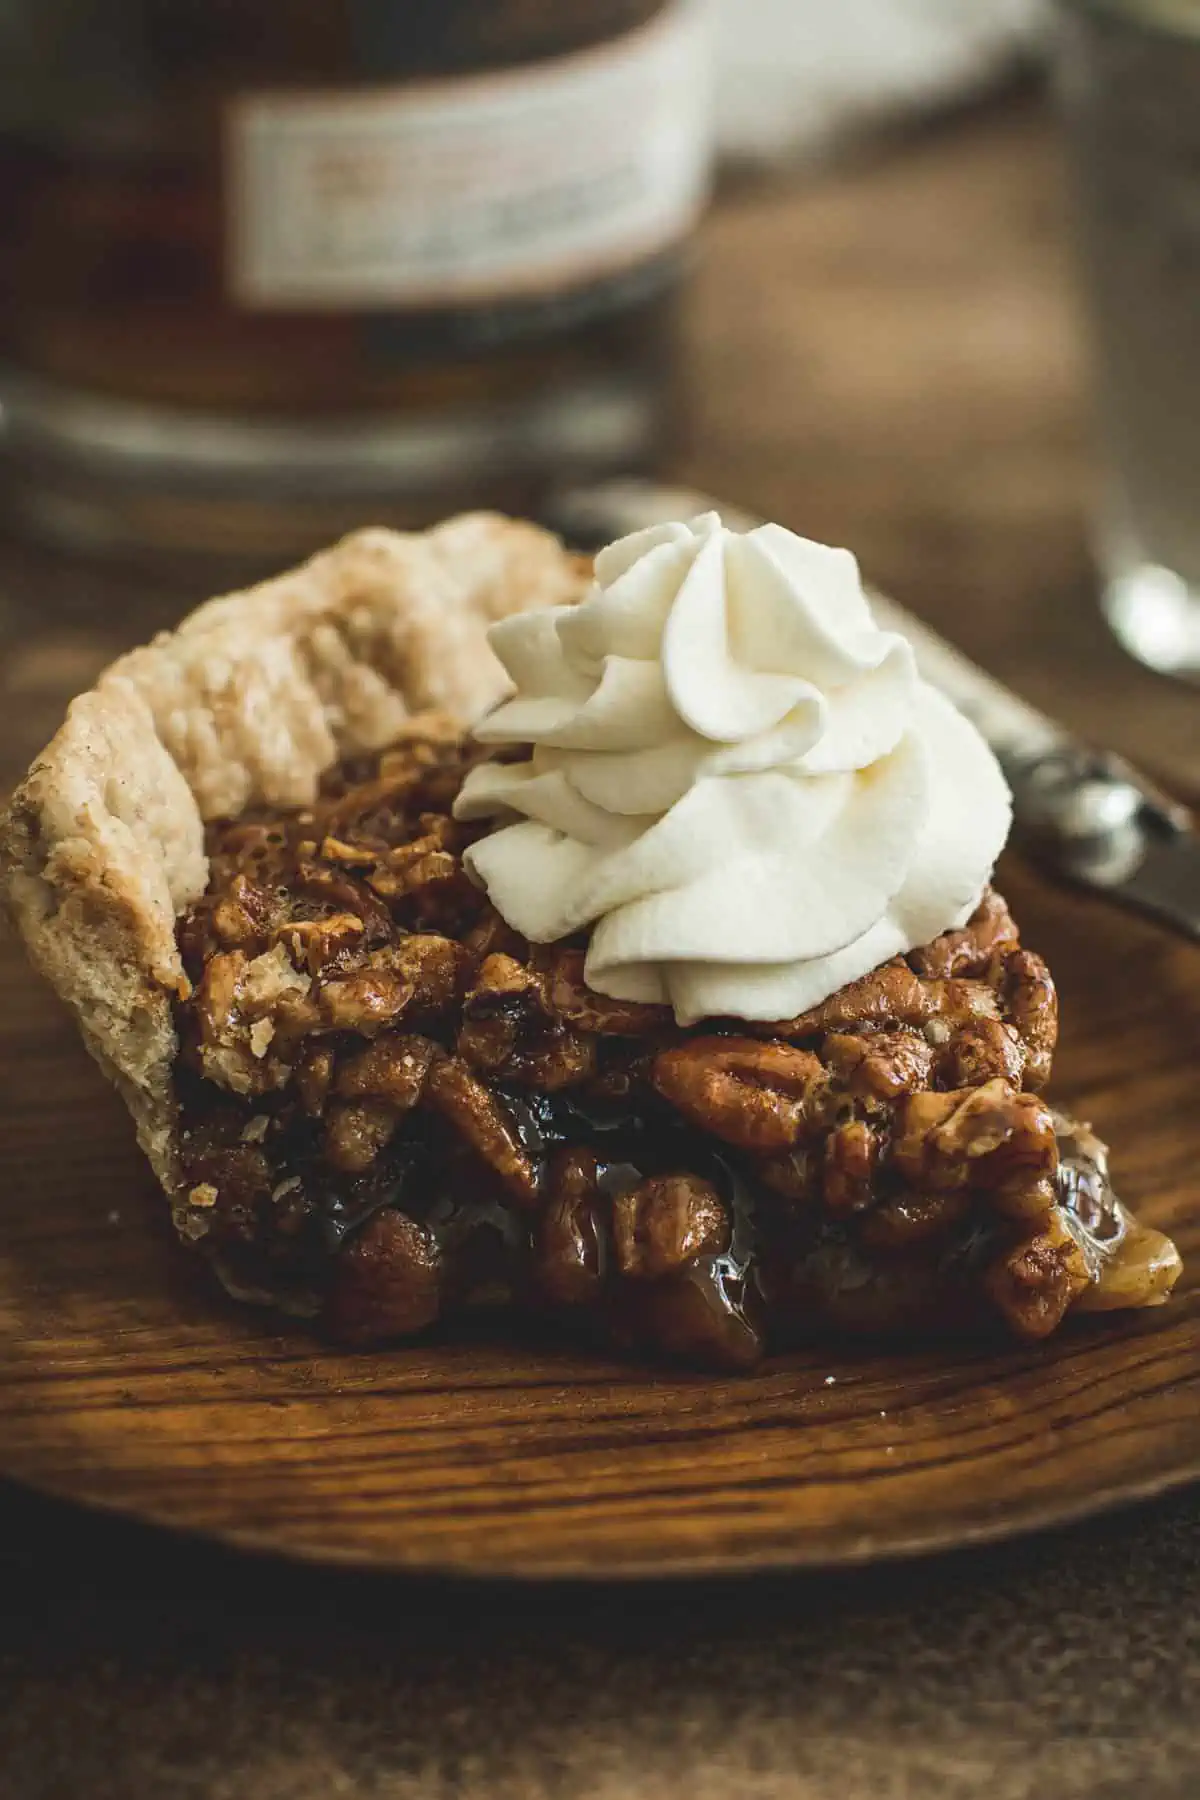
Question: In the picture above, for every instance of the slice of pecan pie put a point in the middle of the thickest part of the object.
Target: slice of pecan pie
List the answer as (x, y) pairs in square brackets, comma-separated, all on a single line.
[(373, 1102)]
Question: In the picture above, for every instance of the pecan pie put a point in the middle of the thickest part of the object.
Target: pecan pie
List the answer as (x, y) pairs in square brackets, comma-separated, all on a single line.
[(374, 1103)]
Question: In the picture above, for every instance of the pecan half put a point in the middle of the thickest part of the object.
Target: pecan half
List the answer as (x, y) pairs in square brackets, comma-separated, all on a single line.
[(759, 1096), (894, 994)]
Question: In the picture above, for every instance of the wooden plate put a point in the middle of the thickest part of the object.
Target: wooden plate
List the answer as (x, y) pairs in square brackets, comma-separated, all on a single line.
[(129, 1383)]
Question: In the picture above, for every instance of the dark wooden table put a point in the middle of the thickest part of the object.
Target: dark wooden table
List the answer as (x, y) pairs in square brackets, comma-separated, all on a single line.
[(889, 358)]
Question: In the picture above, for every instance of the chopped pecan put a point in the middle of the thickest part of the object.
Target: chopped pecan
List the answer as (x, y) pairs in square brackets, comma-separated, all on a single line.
[(563, 1059), (913, 1219), (987, 1137), (485, 1123), (387, 1282), (567, 1251), (879, 1066), (352, 856), (665, 1223), (356, 1131), (315, 944), (503, 1004), (241, 917), (692, 1315), (981, 1052), (235, 1181), (235, 1010), (789, 1172), (435, 967), (367, 1001), (314, 1076), (572, 1000), (968, 951), (1033, 1285), (492, 935), (412, 868), (851, 1161), (759, 1096), (509, 1028), (1031, 1002), (393, 1068), (342, 893)]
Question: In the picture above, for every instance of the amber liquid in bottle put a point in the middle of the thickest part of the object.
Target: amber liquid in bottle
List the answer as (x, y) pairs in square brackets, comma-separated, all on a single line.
[(279, 266)]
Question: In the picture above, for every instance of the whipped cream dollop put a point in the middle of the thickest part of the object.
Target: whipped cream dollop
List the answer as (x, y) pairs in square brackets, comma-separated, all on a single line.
[(735, 779)]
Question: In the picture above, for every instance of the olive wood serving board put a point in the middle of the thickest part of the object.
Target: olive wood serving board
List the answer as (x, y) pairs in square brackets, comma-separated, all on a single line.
[(128, 1381)]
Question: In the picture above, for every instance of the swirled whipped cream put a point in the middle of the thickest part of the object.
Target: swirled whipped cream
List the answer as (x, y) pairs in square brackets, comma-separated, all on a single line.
[(735, 779)]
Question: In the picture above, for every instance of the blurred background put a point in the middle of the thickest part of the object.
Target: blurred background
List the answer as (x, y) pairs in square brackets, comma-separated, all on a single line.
[(273, 269)]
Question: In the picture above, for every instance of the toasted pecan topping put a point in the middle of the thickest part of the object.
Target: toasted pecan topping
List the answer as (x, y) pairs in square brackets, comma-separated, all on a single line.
[(481, 1118), (981, 1052), (667, 1222), (396, 1095), (392, 1069), (388, 1282), (1031, 1000), (880, 1065), (989, 930), (759, 1096), (235, 1008), (852, 1155), (567, 1242), (1033, 1285), (974, 1137), (356, 1131), (573, 1000)]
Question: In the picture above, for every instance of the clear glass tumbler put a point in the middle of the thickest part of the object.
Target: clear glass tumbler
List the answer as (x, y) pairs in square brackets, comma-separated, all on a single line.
[(1129, 78)]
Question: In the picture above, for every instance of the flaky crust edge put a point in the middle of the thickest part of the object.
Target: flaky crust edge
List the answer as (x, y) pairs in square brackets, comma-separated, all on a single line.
[(247, 702)]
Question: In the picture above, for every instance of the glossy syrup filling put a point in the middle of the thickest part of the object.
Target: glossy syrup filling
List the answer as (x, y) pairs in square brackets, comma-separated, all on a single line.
[(395, 1110)]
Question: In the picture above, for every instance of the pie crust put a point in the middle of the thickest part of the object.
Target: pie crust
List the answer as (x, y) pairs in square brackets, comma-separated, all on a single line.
[(246, 703)]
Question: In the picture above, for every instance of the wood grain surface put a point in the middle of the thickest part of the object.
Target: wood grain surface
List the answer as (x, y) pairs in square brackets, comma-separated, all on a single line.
[(130, 1382)]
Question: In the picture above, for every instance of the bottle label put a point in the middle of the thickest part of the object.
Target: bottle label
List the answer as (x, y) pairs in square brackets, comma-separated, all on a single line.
[(480, 189)]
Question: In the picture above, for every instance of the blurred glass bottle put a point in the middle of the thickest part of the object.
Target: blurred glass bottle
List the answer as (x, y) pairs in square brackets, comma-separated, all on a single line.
[(273, 268), (1129, 80)]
